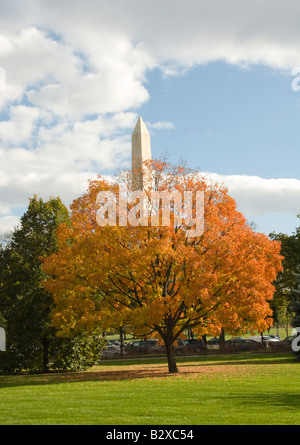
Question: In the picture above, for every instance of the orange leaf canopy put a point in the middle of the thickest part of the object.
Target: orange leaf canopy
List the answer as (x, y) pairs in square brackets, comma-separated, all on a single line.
[(157, 280)]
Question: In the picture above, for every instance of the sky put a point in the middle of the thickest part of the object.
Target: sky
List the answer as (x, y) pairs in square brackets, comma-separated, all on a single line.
[(217, 84)]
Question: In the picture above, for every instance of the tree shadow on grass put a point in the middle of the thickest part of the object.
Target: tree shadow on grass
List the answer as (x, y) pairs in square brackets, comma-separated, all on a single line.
[(84, 376), (262, 360), (187, 367), (269, 400)]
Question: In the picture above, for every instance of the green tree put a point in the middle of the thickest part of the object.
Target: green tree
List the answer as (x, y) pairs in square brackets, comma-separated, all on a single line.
[(286, 282), (77, 353), (24, 303)]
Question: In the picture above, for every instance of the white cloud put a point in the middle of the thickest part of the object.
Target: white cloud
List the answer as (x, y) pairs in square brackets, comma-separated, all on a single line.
[(86, 57), (89, 57), (22, 122), (255, 195), (175, 33), (161, 125), (68, 155), (76, 75), (8, 223), (57, 76)]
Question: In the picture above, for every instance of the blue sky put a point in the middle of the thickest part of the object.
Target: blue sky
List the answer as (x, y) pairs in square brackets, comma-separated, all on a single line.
[(212, 81), (231, 120), (228, 119)]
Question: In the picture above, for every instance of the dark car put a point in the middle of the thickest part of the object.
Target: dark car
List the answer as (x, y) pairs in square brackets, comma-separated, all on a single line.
[(242, 344), (276, 337), (114, 342), (141, 347), (112, 351), (213, 343), (179, 346), (283, 345), (194, 345)]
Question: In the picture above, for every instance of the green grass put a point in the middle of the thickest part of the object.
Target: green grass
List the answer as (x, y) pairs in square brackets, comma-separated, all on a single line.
[(238, 389)]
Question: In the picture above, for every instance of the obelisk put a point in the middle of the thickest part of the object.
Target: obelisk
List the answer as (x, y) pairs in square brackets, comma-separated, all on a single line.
[(141, 152)]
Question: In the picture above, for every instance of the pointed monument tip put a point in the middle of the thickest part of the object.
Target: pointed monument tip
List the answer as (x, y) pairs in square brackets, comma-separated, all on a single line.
[(140, 127)]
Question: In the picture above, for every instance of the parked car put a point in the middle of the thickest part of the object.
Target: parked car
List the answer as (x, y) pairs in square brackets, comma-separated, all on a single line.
[(271, 338), (142, 347), (151, 346), (213, 343), (266, 339), (129, 343), (194, 345), (179, 345), (114, 342), (283, 345), (242, 344), (276, 337), (112, 351)]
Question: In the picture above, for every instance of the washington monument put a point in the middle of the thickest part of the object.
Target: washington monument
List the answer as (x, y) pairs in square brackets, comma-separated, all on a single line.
[(141, 152)]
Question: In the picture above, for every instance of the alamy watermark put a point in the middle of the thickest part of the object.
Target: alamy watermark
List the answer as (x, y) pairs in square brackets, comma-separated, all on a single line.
[(2, 79), (296, 80), (152, 209), (296, 341), (2, 340)]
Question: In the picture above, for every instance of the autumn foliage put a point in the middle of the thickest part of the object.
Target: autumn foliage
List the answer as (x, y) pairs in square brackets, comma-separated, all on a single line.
[(156, 279)]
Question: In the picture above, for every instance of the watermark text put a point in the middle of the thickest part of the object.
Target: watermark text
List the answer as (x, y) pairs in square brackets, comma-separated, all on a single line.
[(2, 340), (152, 209), (296, 341)]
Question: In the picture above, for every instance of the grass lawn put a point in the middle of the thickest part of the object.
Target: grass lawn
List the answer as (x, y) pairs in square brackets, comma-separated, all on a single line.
[(238, 389)]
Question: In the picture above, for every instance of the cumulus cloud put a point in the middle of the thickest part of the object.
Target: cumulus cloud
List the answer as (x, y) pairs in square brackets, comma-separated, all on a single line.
[(76, 74), (8, 223), (161, 125), (69, 154), (176, 33), (21, 124), (55, 76), (255, 195), (86, 57)]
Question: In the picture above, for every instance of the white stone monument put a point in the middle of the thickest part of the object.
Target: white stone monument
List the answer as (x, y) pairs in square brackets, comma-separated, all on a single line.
[(141, 152)]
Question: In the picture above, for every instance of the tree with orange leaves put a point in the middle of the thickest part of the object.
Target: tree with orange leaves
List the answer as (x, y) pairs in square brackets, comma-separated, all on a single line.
[(155, 278)]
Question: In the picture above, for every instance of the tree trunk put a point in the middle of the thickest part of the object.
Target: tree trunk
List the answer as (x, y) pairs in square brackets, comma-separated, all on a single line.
[(121, 340), (191, 334), (46, 344), (171, 358), (222, 341)]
